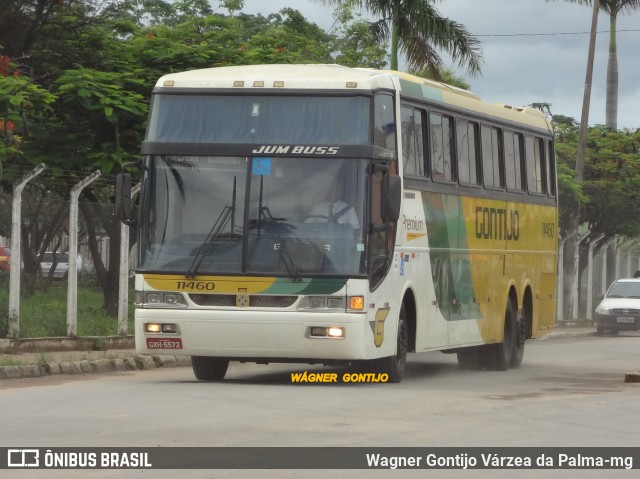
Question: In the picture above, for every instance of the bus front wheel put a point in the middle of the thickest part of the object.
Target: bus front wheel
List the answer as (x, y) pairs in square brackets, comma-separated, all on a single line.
[(209, 369), (395, 365)]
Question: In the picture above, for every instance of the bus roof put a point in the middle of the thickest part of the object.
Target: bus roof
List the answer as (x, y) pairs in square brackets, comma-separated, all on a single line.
[(302, 76), (338, 77)]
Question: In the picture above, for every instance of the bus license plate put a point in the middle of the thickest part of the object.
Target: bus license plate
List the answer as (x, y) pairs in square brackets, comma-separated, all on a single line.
[(164, 343), (622, 319)]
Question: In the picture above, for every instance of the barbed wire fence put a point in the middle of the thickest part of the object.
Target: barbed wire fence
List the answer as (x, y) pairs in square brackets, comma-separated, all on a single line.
[(45, 240)]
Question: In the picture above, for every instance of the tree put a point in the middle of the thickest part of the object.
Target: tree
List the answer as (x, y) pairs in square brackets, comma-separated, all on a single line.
[(446, 76), (607, 195), (612, 8), (354, 43), (416, 29), (20, 100)]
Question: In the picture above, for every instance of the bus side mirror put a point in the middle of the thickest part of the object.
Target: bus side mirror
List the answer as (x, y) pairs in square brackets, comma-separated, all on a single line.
[(391, 195), (123, 198)]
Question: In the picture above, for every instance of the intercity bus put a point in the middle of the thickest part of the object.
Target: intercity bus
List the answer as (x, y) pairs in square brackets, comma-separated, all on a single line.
[(449, 243)]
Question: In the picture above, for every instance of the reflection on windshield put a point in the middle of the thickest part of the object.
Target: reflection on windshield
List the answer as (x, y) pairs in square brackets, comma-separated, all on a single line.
[(275, 216), (630, 289), (260, 119)]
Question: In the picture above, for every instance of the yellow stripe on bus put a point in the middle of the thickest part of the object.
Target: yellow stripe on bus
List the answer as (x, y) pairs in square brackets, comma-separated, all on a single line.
[(211, 284)]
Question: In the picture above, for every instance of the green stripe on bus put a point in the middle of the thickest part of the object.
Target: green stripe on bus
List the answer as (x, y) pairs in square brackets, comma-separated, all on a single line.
[(307, 286)]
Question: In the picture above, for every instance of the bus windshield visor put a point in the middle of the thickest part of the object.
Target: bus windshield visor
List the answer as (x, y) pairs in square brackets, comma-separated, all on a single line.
[(278, 216), (260, 119)]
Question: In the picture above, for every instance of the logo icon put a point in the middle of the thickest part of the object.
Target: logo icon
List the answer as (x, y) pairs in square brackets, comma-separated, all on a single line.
[(23, 458), (242, 298)]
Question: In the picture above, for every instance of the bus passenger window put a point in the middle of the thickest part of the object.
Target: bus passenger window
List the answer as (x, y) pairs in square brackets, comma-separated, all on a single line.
[(491, 161), (535, 165), (551, 169), (412, 142), (513, 160), (441, 138), (467, 134)]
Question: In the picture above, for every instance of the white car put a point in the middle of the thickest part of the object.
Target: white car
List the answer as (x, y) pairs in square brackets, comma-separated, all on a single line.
[(619, 310), (62, 267)]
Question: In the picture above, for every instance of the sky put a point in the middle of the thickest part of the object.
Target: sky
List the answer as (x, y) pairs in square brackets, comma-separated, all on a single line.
[(530, 51)]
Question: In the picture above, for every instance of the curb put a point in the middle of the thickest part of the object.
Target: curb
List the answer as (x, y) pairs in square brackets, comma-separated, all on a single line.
[(79, 343), (96, 366), (566, 334)]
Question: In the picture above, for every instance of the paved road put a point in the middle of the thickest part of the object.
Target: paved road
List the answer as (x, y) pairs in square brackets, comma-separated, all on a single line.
[(569, 392)]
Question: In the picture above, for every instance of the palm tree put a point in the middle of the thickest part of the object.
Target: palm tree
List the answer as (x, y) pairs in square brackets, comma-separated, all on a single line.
[(613, 8), (415, 29)]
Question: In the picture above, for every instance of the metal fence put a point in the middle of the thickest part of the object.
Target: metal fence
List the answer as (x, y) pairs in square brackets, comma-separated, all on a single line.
[(67, 237), (601, 261)]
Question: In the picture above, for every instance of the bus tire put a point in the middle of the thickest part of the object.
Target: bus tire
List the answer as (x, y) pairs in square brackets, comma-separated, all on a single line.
[(497, 357), (396, 365), (521, 337), (209, 369)]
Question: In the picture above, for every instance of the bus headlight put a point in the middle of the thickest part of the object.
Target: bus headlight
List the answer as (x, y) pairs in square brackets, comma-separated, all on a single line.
[(332, 303), (160, 299), (335, 303), (316, 302)]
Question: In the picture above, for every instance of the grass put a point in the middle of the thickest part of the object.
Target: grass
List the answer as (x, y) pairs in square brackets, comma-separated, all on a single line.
[(10, 362), (44, 314)]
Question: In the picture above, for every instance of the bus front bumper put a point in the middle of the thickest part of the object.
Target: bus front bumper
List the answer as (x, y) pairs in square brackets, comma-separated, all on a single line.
[(256, 335)]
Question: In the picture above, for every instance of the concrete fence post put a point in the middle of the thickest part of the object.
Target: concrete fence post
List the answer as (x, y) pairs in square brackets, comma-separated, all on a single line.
[(72, 275), (16, 254), (592, 245), (123, 293)]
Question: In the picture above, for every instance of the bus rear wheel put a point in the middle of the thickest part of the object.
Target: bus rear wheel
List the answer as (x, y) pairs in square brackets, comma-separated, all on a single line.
[(396, 365), (521, 337), (209, 369), (498, 357)]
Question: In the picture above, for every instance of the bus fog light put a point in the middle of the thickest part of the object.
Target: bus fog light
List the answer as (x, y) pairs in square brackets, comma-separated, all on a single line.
[(335, 332), (317, 331), (152, 328), (169, 328)]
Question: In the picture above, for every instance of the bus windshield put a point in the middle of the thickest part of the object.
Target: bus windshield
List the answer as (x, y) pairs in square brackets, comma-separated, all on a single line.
[(272, 216), (315, 120)]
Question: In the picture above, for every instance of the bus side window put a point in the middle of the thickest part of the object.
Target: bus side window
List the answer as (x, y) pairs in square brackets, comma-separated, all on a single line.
[(441, 139), (412, 141), (513, 161), (536, 170), (467, 135), (491, 157), (384, 123), (551, 169), (381, 236)]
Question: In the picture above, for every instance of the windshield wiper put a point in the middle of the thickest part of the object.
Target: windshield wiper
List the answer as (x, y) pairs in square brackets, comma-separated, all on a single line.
[(283, 254), (226, 215)]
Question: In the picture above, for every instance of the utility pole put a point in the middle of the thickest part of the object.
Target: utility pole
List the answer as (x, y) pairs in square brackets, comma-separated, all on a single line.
[(574, 222)]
